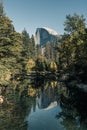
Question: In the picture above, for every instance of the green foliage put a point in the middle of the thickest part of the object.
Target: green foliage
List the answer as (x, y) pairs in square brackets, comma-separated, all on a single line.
[(73, 50), (41, 63), (74, 23), (5, 75), (28, 45), (11, 46), (1, 8), (19, 54)]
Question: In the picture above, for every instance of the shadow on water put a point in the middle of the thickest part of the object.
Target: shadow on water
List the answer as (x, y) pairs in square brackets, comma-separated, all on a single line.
[(41, 103)]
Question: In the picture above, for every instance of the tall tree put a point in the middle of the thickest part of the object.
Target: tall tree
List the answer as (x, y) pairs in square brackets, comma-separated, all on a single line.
[(74, 23), (33, 50), (10, 46), (73, 43), (26, 43), (2, 12)]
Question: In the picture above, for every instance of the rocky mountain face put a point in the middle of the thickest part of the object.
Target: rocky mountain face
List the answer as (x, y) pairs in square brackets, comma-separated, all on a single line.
[(45, 35)]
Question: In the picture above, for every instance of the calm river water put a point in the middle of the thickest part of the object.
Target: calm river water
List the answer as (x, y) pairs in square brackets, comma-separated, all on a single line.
[(38, 104)]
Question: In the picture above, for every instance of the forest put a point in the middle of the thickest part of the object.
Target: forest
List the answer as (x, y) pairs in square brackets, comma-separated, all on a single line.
[(19, 56), (43, 91)]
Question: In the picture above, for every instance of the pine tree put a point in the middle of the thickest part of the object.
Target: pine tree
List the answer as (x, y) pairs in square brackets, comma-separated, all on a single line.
[(2, 12), (10, 46), (26, 43), (73, 54)]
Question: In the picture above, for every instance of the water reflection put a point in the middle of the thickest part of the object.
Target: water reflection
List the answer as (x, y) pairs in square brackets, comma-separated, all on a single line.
[(41, 104), (14, 107), (74, 110), (48, 95)]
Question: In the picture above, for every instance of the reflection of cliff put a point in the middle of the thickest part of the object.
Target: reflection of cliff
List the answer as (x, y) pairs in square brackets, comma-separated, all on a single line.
[(46, 97)]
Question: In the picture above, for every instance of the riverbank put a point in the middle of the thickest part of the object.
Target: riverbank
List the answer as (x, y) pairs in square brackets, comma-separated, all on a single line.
[(45, 74)]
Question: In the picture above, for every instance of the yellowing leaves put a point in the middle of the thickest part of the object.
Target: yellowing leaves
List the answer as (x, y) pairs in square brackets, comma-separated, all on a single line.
[(53, 66), (41, 58), (31, 91), (30, 65), (53, 84)]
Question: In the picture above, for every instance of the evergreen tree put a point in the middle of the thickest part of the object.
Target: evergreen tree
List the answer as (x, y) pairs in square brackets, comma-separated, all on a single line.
[(26, 43), (10, 46), (73, 45), (33, 53), (2, 12)]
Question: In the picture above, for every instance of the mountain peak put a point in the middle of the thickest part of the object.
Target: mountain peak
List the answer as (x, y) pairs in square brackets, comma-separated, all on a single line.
[(44, 35), (51, 31)]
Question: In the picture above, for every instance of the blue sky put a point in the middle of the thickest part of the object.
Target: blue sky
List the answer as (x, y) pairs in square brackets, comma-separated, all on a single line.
[(31, 14)]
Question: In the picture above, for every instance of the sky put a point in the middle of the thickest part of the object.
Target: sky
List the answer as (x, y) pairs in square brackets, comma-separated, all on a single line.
[(31, 14)]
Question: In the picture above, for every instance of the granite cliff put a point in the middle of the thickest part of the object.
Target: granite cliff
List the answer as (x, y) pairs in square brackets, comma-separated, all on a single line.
[(45, 35)]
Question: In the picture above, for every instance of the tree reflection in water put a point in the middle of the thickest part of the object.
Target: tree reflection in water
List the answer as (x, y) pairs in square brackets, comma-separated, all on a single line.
[(16, 106), (74, 110), (23, 96)]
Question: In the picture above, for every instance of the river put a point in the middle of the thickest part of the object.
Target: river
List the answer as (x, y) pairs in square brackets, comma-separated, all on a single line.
[(42, 104)]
